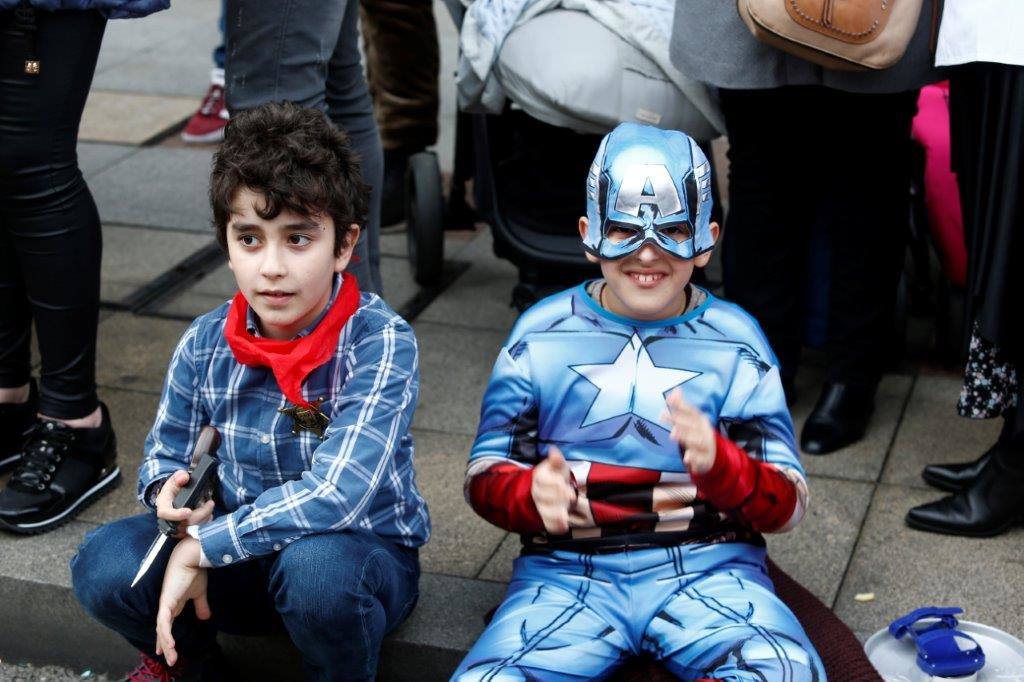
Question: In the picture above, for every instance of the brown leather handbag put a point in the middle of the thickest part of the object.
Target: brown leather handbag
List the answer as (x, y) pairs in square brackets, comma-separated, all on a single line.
[(848, 35)]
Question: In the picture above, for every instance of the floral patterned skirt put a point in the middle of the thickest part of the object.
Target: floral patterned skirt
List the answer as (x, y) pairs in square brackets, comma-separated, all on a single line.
[(990, 381)]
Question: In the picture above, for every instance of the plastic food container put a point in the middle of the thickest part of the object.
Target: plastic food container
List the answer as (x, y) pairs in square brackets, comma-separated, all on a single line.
[(896, 660)]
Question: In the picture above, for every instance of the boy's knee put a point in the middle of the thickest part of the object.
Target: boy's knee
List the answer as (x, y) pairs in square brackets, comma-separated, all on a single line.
[(98, 571), (104, 566), (325, 582)]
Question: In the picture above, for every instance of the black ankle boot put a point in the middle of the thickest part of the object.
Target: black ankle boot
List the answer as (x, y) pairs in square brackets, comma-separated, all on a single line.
[(992, 504), (953, 478), (16, 420), (62, 471), (840, 418)]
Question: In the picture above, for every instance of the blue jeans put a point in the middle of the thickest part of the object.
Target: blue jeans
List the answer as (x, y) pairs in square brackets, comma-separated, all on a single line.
[(307, 52), (336, 594), (220, 51)]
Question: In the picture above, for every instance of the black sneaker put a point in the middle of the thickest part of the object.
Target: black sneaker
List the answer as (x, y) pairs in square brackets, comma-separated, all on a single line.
[(62, 471), (16, 421)]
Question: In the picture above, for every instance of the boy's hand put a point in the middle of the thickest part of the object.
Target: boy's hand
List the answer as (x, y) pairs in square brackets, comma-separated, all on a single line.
[(183, 581), (692, 430), (553, 492), (184, 516)]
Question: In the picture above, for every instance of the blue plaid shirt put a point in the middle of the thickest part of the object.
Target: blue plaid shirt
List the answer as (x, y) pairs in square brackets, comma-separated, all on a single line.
[(275, 487)]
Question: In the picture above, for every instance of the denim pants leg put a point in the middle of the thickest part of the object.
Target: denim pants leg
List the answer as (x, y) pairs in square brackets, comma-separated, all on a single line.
[(218, 52), (339, 594), (306, 51), (336, 594), (102, 572)]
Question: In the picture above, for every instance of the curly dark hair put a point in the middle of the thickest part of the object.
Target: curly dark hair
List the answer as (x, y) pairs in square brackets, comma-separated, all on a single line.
[(297, 159)]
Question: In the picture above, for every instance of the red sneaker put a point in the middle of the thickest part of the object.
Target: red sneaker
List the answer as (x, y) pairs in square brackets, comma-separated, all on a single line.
[(207, 124), (153, 670)]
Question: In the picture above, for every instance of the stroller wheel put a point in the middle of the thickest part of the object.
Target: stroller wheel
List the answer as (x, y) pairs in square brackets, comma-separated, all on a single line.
[(425, 218)]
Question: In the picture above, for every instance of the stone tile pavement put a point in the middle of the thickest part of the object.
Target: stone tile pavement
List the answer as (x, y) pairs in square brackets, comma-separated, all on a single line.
[(155, 217)]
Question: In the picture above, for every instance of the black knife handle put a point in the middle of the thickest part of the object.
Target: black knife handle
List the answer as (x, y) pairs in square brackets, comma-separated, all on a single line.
[(201, 477), (192, 495)]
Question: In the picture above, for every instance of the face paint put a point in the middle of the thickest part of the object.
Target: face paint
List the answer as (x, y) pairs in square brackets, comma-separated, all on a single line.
[(648, 186)]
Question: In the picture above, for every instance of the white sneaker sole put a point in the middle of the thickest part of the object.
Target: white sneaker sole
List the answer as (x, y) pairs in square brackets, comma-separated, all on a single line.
[(214, 136)]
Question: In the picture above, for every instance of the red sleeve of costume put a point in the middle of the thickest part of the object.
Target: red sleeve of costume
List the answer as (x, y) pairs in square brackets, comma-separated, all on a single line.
[(757, 492), (501, 494)]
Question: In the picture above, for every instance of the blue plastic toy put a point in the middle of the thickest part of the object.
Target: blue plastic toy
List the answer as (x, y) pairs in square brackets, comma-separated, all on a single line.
[(942, 650)]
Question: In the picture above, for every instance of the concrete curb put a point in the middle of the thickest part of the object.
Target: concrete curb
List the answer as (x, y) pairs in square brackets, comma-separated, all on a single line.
[(42, 623)]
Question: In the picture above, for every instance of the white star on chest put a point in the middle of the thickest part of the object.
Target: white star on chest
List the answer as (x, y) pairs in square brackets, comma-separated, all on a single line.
[(617, 385)]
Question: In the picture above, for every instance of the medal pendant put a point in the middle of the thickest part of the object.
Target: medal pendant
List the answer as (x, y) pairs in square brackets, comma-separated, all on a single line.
[(307, 418)]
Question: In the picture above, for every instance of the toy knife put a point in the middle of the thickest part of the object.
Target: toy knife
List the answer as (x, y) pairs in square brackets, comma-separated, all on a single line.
[(202, 472)]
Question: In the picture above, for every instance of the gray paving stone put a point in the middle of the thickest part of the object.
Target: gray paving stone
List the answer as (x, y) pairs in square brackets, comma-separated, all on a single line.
[(11, 672), (43, 558), (190, 304), (132, 415), (133, 257), (932, 431), (863, 460), (133, 352), (399, 286), (42, 621), (499, 568), (455, 364), (116, 292), (393, 241), (461, 542), (167, 52), (816, 552), (97, 156), (452, 616), (177, 65), (220, 282), (203, 295), (479, 298), (131, 118), (478, 245), (138, 35), (907, 569), (157, 187)]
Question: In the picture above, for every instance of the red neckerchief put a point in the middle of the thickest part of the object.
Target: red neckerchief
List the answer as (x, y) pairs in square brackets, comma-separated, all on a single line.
[(291, 361)]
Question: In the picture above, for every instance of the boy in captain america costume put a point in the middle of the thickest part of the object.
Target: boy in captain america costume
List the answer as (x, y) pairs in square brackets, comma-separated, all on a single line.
[(640, 511)]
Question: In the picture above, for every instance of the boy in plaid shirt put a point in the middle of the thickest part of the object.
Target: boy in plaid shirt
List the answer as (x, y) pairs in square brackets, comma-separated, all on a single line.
[(316, 522)]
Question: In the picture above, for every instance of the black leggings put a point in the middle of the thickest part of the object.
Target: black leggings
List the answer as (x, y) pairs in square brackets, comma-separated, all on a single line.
[(50, 243)]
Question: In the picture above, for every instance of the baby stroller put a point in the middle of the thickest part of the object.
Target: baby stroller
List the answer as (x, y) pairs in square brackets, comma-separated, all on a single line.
[(537, 93)]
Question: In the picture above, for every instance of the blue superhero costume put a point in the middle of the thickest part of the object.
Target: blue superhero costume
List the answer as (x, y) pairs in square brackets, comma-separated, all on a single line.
[(655, 560)]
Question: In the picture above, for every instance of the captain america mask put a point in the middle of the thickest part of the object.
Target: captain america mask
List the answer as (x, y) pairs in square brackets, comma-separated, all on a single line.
[(648, 186)]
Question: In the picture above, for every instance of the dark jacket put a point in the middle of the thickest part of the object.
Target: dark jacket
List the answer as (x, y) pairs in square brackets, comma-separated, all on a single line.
[(712, 44), (111, 9)]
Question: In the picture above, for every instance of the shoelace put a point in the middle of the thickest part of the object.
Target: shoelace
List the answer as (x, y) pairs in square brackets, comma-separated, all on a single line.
[(213, 95), (152, 670), (44, 451)]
